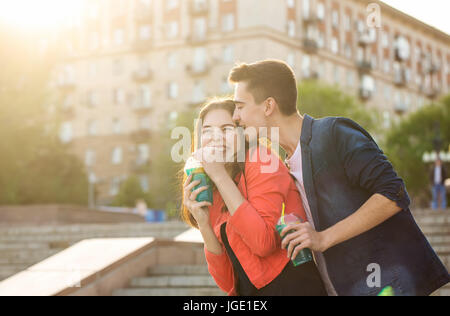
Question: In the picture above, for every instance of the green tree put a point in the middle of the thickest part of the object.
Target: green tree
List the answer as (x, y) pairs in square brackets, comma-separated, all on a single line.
[(411, 138), (321, 100), (35, 168), (131, 191)]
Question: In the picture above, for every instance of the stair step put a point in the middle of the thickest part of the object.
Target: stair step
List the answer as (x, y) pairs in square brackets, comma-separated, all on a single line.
[(179, 270), (21, 254), (173, 282), (170, 292), (86, 228), (20, 245)]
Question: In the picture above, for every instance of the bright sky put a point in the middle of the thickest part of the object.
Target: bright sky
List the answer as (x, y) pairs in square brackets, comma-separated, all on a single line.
[(432, 12), (37, 14)]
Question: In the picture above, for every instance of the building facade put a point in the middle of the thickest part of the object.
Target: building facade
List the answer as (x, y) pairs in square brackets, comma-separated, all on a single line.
[(131, 66)]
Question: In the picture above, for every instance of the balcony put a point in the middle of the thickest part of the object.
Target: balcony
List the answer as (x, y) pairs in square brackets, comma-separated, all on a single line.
[(140, 164), (66, 85), (311, 18), (364, 66), (310, 75), (432, 93), (141, 136), (365, 94), (310, 45), (143, 45), (198, 70), (142, 75), (197, 39), (143, 14), (400, 108), (199, 7), (400, 79)]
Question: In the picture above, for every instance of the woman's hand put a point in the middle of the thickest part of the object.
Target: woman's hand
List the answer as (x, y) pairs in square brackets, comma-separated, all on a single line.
[(213, 162), (199, 210)]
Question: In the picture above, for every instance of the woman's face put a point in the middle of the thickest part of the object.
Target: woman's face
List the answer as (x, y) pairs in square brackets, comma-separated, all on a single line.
[(219, 132)]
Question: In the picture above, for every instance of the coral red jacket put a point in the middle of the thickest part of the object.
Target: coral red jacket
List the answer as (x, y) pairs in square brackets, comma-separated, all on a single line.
[(251, 230)]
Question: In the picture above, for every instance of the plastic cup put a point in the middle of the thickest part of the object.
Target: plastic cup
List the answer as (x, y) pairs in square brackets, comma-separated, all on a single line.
[(193, 167), (305, 255)]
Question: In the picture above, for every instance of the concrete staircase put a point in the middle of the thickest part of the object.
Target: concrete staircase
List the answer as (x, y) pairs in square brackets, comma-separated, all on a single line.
[(24, 246), (436, 227), (180, 280)]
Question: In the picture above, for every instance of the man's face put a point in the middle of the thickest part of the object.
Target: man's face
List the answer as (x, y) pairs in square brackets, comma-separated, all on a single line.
[(248, 114)]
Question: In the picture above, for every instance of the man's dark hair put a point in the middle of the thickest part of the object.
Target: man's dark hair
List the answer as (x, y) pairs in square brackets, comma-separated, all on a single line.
[(269, 78)]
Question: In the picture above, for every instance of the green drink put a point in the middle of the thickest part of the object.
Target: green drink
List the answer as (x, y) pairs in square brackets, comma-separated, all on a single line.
[(305, 255), (194, 167)]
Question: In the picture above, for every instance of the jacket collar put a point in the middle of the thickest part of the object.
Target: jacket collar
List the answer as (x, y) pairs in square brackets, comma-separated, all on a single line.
[(306, 136)]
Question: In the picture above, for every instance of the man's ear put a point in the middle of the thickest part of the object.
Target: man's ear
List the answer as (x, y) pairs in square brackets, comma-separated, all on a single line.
[(270, 105)]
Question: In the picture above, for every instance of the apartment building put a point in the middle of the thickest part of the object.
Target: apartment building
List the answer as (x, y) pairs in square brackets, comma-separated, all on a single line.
[(131, 66)]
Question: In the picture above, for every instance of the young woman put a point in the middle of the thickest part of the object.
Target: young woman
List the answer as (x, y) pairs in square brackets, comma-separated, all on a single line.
[(242, 246)]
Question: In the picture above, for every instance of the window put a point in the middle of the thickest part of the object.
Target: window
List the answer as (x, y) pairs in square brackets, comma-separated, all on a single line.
[(145, 123), (306, 7), (384, 39), (92, 128), (291, 28), (172, 61), (347, 23), (199, 28), (94, 41), (306, 66), (334, 45), (228, 54), (349, 78), (321, 11), (335, 19), (291, 60), (119, 96), (89, 158), (336, 75), (228, 23), (117, 67), (172, 29), (145, 97), (92, 98), (198, 93), (199, 59), (225, 87), (117, 126), (92, 70), (173, 90), (143, 153), (66, 133), (119, 35), (145, 32), (115, 186), (171, 4), (143, 180), (116, 157)]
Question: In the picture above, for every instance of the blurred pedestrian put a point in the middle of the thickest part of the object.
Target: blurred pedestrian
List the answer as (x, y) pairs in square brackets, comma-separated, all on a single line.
[(438, 175)]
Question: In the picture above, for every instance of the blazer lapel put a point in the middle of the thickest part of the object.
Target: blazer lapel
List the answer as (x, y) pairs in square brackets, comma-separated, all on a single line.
[(308, 180)]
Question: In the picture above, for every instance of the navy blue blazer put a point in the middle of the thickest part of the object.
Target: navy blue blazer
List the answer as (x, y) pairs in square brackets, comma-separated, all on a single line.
[(342, 168)]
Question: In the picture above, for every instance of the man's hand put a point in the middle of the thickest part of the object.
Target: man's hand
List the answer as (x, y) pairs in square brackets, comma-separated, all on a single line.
[(304, 236)]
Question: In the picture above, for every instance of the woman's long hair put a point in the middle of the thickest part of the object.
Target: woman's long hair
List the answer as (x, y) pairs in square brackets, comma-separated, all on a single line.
[(234, 168)]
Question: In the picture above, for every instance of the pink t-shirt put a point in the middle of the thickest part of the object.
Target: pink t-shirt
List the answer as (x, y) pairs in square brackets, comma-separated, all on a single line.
[(294, 164)]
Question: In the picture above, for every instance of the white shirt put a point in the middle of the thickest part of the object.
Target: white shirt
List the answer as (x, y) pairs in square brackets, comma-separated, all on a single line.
[(437, 175), (295, 166)]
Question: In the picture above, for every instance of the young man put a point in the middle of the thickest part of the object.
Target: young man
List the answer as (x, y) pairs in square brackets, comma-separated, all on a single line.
[(360, 226)]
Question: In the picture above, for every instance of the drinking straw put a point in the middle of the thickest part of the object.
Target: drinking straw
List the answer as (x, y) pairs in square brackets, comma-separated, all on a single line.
[(282, 214)]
